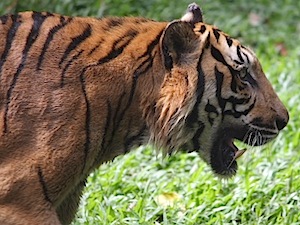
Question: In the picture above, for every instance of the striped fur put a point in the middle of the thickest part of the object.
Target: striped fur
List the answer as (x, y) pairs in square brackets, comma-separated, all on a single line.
[(77, 92)]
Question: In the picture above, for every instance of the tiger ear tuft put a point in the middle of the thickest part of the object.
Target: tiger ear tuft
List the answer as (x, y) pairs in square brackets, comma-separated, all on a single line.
[(193, 14), (178, 42)]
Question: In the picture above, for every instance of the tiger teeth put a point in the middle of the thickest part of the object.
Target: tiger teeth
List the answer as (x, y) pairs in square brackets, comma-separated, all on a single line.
[(239, 153)]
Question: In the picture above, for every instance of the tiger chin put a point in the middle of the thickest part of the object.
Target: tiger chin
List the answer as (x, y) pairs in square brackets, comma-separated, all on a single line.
[(76, 92)]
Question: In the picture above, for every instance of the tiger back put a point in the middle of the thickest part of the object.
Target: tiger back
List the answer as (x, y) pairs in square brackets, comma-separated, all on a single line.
[(76, 92)]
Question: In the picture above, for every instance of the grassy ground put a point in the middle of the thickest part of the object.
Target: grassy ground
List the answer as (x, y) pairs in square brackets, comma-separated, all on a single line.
[(135, 188)]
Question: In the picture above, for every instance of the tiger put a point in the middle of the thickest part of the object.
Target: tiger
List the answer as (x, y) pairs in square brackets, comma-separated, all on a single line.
[(75, 92)]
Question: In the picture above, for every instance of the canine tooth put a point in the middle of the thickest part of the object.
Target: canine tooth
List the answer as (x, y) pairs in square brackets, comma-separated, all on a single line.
[(239, 153)]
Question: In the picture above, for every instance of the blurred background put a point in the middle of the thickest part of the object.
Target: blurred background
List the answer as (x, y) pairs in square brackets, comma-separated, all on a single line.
[(142, 188)]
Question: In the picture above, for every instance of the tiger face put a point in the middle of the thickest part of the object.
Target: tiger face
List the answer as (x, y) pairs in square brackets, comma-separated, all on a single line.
[(232, 97), (238, 102)]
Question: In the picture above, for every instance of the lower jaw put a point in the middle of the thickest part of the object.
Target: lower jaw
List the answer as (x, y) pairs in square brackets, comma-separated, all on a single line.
[(223, 161), (224, 171)]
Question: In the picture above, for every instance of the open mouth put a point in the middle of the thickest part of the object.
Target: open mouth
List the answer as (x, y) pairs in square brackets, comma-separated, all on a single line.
[(224, 155), (233, 151)]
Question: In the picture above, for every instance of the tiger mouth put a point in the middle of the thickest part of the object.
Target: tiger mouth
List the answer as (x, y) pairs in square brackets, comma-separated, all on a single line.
[(225, 153), (223, 161)]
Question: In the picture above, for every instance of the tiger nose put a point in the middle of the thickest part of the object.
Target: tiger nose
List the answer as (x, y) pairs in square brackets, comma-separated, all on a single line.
[(282, 121)]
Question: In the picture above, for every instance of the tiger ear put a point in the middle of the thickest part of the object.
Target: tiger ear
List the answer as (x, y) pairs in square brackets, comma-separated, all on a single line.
[(193, 14), (179, 43)]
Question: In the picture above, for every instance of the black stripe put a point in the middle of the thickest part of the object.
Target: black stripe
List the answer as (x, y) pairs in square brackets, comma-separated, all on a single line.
[(76, 41), (218, 55), (219, 78), (197, 135), (211, 110), (116, 51), (113, 22), (38, 20), (140, 20), (9, 38), (143, 68), (43, 184), (31, 38), (4, 19), (192, 118), (87, 121), (249, 78), (114, 122), (117, 109), (49, 14), (96, 47), (208, 41), (102, 150), (246, 57), (238, 51), (237, 114), (75, 57), (233, 84), (250, 108), (238, 101), (52, 32), (217, 34), (202, 29), (229, 41), (201, 80), (242, 85), (238, 62)]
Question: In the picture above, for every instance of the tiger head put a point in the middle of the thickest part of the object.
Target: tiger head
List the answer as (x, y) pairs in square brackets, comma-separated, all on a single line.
[(214, 92)]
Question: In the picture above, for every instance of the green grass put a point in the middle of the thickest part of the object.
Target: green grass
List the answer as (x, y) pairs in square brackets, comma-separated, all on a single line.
[(266, 189)]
